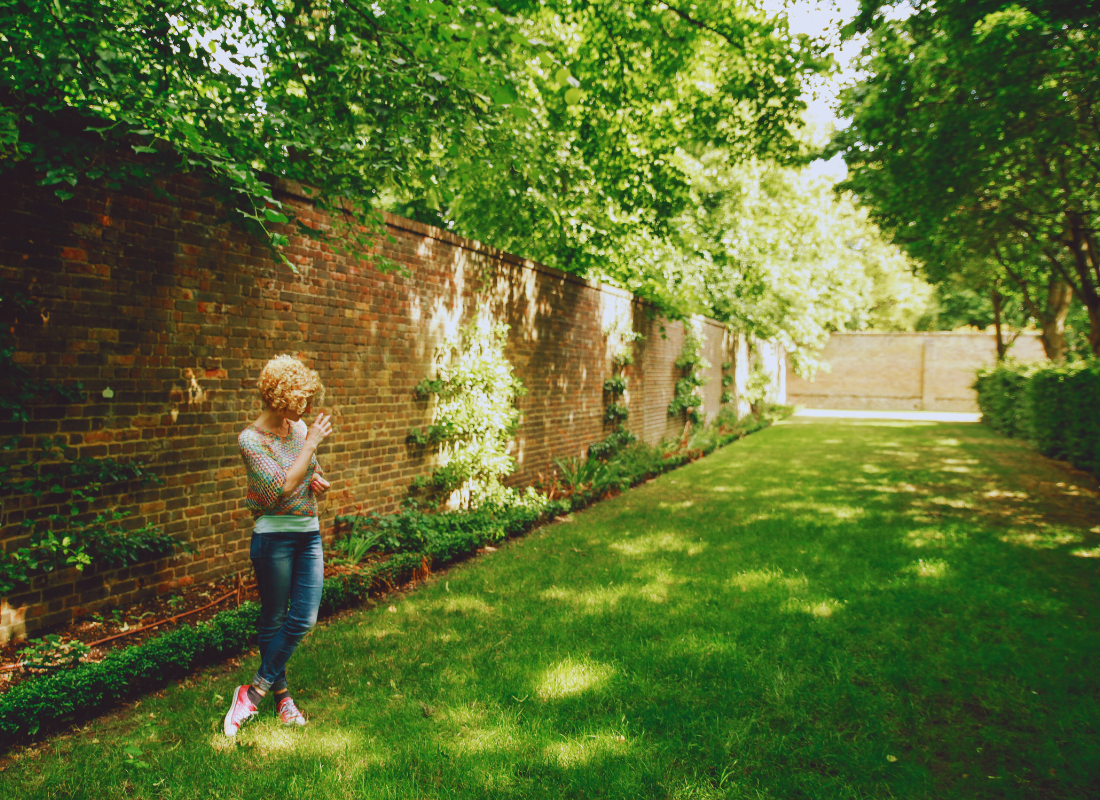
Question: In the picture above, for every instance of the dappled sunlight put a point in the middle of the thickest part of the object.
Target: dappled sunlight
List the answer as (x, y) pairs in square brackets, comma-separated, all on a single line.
[(1043, 539), (1086, 552), (268, 738), (931, 568), (477, 740), (462, 604), (675, 506), (659, 543), (897, 488), (763, 578), (571, 677), (578, 751), (951, 502), (590, 601), (823, 609), (934, 538)]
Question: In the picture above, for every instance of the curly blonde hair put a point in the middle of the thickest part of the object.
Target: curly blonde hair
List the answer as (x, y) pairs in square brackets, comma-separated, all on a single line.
[(286, 384)]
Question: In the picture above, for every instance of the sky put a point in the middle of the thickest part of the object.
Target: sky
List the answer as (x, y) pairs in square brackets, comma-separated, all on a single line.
[(823, 18)]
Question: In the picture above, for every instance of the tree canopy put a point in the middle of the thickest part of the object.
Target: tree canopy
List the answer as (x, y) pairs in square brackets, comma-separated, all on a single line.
[(652, 144), (975, 142)]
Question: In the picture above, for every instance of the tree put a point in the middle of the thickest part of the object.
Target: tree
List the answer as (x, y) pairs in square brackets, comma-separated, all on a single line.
[(345, 97), (591, 173), (782, 257), (976, 126)]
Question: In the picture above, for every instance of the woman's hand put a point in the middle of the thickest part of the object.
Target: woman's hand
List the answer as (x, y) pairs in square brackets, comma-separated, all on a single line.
[(319, 485), (320, 428)]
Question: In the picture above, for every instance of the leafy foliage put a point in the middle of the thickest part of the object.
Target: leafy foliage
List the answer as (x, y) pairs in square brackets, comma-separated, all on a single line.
[(779, 255), (50, 653), (475, 415), (687, 399), (760, 389), (612, 444), (1054, 407), (345, 97), (75, 535), (973, 141), (589, 178)]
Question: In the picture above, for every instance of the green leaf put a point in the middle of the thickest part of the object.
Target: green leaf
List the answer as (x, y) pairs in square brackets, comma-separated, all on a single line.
[(573, 96), (274, 216)]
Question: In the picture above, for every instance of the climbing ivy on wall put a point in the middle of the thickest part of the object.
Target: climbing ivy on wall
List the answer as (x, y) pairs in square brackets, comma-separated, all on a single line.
[(727, 381), (759, 388), (65, 531), (621, 336), (687, 400), (475, 417)]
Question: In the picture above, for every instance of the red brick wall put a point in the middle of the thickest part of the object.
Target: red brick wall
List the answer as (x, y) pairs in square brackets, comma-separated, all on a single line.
[(927, 371), (175, 312)]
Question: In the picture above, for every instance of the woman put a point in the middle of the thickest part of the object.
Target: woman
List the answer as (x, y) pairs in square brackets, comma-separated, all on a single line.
[(284, 484)]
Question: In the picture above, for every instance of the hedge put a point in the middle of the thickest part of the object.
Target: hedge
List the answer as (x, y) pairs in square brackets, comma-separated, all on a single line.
[(1056, 408), (51, 701)]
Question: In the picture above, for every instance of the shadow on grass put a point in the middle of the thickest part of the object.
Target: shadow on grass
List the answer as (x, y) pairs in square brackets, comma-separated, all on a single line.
[(827, 609)]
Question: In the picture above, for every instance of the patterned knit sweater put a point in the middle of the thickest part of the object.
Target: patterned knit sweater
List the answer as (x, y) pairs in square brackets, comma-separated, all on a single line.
[(267, 457)]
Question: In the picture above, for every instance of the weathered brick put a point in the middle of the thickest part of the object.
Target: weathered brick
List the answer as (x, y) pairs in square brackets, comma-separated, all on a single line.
[(176, 312)]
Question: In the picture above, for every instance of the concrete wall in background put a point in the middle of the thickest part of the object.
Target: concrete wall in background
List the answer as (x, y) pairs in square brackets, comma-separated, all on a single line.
[(903, 371)]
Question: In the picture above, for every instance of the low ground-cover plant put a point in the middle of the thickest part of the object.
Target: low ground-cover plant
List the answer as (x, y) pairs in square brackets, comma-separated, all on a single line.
[(1055, 407), (408, 543)]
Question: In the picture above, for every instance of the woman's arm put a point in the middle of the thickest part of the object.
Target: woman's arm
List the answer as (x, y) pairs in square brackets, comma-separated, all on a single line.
[(320, 428)]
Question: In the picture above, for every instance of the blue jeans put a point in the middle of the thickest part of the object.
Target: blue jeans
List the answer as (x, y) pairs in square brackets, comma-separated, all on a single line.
[(290, 570)]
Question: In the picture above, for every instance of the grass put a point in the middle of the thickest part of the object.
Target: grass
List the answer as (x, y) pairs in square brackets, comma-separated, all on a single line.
[(828, 609)]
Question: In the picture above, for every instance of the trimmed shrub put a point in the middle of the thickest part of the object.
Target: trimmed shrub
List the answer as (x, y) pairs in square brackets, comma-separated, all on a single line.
[(416, 541), (1056, 408)]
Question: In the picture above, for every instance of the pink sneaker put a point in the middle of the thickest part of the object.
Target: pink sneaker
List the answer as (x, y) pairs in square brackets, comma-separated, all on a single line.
[(289, 713), (241, 710)]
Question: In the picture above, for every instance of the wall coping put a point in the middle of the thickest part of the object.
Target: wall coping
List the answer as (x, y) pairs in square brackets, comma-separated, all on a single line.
[(923, 333), (396, 222)]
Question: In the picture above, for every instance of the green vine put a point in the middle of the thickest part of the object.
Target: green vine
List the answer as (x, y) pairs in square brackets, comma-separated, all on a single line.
[(74, 535), (475, 417), (687, 399), (727, 381), (759, 388), (622, 337)]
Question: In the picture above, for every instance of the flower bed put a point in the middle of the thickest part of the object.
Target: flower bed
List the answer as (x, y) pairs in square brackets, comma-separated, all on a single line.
[(47, 702)]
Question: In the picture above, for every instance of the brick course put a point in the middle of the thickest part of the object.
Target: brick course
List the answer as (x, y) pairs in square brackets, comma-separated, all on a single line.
[(903, 371), (159, 301)]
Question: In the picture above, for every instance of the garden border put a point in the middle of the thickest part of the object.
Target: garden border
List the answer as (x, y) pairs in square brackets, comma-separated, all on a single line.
[(52, 702)]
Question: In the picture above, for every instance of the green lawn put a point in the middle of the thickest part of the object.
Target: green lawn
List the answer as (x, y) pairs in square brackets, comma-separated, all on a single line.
[(827, 609)]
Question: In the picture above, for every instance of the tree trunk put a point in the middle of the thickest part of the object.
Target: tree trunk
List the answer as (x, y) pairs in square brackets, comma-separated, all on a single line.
[(1059, 297), (996, 298), (1085, 262)]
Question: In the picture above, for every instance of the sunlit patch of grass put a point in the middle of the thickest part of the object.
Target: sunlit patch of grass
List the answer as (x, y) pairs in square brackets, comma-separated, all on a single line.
[(930, 568), (779, 638), (665, 542), (464, 604), (1043, 539), (934, 538), (570, 677), (677, 506), (822, 609), (951, 502), (577, 752), (1086, 552), (761, 578)]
